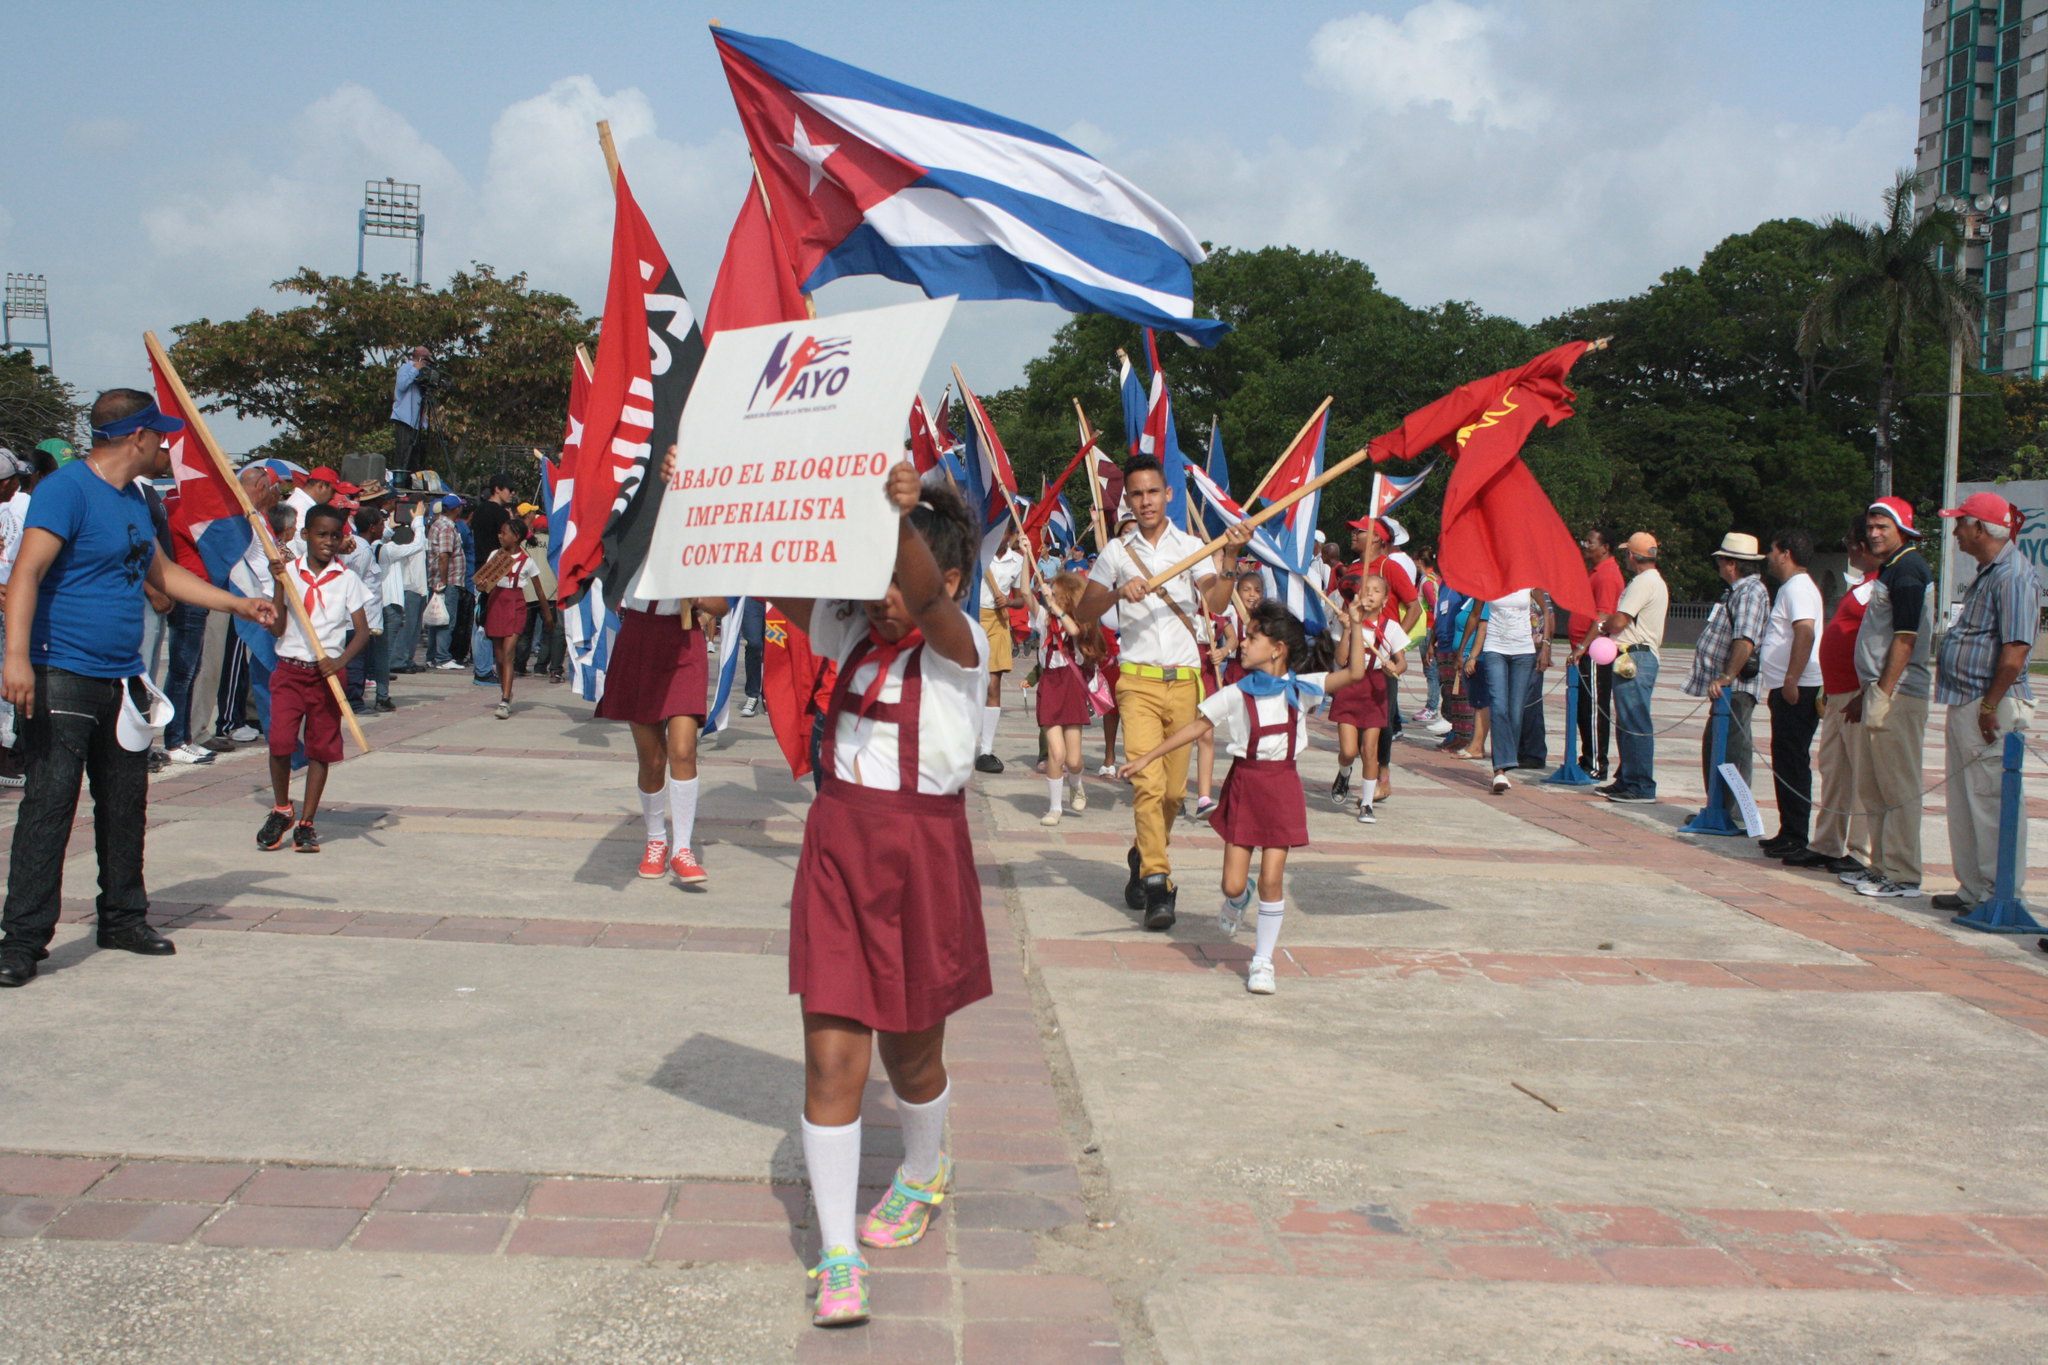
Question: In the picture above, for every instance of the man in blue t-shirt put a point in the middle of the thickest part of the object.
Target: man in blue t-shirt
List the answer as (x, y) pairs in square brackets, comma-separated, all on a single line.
[(88, 551)]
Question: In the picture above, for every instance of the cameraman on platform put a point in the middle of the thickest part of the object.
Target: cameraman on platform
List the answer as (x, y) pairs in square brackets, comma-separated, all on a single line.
[(415, 376)]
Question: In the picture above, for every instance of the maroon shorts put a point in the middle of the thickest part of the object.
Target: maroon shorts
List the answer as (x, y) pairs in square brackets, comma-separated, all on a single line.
[(299, 695)]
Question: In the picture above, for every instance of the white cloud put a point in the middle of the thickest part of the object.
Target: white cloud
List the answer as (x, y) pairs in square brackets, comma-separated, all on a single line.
[(1439, 53)]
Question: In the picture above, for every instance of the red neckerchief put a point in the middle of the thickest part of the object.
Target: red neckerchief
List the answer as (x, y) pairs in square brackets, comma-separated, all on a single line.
[(882, 653), (311, 592)]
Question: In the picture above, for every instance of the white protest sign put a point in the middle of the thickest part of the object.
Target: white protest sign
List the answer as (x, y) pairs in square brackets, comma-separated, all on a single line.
[(783, 449), (1745, 800)]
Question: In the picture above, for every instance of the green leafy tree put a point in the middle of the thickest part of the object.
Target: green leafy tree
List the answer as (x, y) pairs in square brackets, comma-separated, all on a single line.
[(34, 404), (322, 371), (1888, 275)]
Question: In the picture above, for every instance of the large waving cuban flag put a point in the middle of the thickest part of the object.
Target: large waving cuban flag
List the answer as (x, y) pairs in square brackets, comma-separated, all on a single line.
[(867, 176)]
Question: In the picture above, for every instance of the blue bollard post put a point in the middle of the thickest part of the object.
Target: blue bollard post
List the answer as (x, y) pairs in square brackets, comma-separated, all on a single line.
[(1569, 773), (2005, 912), (1714, 819)]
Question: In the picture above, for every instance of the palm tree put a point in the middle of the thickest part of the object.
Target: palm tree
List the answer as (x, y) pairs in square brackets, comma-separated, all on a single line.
[(1889, 269)]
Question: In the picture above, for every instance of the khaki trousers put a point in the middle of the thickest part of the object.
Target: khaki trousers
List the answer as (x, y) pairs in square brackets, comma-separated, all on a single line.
[(1976, 774), (1836, 833), (1151, 709), (1889, 786)]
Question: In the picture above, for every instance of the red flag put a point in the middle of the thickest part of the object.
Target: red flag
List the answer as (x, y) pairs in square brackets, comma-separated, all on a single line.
[(757, 282), (924, 441), (647, 358), (789, 673), (1049, 498), (1500, 532)]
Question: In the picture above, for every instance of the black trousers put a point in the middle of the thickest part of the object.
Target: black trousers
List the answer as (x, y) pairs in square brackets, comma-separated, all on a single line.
[(404, 440), (1590, 679), (1792, 729), (71, 736)]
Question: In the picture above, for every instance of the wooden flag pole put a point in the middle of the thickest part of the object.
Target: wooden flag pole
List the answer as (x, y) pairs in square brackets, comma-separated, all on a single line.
[(259, 523), (583, 359), (1287, 450), (1088, 434), (611, 152)]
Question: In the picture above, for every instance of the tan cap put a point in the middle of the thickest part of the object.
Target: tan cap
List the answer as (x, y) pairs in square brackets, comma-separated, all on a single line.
[(1642, 545)]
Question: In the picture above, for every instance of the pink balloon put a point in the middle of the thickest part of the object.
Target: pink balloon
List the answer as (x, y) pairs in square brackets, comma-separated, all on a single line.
[(1602, 651)]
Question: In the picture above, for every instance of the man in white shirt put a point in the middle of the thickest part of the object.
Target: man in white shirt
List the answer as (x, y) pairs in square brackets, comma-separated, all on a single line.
[(359, 554), (13, 512), (403, 557), (1001, 581), (1158, 687), (1791, 679)]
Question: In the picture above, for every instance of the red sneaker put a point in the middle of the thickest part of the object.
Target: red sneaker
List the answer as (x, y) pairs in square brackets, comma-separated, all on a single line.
[(687, 869), (654, 861)]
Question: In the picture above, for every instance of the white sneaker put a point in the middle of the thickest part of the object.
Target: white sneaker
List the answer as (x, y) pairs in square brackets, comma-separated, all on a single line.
[(245, 734), (450, 666), (1884, 888), (1259, 980), (1437, 725), (1365, 815), (191, 753), (1855, 878), (1500, 783), (751, 709), (1050, 818), (1231, 917), (1078, 794)]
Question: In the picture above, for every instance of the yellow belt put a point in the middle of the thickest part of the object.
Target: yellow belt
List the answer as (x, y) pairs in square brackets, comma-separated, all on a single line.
[(1165, 672)]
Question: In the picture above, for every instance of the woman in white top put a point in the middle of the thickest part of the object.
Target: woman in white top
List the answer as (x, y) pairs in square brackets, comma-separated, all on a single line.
[(1505, 646)]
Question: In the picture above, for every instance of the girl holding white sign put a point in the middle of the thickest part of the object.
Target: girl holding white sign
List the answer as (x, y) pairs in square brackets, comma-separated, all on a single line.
[(886, 933)]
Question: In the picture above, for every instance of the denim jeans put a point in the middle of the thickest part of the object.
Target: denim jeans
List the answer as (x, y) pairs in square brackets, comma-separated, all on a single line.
[(1741, 750), (380, 650), (367, 667), (1507, 683), (1434, 697), (71, 736), (440, 638), (188, 640), (1635, 741), (754, 639), (405, 643), (1533, 748), (153, 629), (483, 660)]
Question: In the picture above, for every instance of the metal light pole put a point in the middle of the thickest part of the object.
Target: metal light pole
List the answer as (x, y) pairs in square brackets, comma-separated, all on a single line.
[(391, 208), (1975, 215)]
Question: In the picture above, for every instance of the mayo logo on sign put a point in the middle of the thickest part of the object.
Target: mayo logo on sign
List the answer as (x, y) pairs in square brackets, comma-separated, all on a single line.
[(814, 369)]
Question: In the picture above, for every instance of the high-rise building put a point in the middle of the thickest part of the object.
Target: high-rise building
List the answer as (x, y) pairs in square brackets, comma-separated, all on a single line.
[(1983, 87)]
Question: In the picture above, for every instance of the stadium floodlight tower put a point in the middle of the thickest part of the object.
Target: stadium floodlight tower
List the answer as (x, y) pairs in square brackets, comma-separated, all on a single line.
[(391, 208), (26, 300)]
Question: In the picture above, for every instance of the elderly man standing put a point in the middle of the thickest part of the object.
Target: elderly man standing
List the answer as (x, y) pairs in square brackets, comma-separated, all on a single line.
[(1893, 668), (1726, 660), (1982, 679), (74, 664), (1841, 836), (1637, 626)]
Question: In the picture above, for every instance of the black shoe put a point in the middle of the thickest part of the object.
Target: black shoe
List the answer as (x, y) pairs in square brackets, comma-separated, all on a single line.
[(304, 840), (1806, 857), (1610, 789), (987, 763), (1783, 848), (1134, 889), (138, 938), (17, 969), (1341, 788), (1159, 901), (275, 826), (384, 704), (1843, 865), (1953, 903)]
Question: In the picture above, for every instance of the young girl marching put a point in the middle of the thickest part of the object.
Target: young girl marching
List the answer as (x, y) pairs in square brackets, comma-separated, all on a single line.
[(1069, 650), (1262, 722), (1360, 710), (504, 577), (886, 933)]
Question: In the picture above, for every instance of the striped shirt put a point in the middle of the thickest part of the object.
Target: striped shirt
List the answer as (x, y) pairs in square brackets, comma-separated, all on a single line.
[(2002, 606), (1741, 614)]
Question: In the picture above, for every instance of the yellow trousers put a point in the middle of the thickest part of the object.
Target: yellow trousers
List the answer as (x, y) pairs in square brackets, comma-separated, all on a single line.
[(1150, 709)]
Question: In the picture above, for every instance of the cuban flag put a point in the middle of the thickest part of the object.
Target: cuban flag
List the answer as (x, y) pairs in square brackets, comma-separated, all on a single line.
[(589, 630), (728, 659), (867, 176), (1149, 429), (988, 485), (1213, 523), (924, 441), (1059, 523), (209, 509), (1285, 574), (1389, 491)]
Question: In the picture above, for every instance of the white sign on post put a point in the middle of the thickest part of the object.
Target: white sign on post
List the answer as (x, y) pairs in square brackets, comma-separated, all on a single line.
[(784, 446)]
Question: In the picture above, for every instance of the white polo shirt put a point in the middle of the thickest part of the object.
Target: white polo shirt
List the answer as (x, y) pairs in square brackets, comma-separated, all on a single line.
[(1148, 632)]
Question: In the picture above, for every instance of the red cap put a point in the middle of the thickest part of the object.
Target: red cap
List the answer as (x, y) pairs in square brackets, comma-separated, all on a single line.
[(347, 489), (1900, 511), (1988, 506), (323, 475), (1375, 525)]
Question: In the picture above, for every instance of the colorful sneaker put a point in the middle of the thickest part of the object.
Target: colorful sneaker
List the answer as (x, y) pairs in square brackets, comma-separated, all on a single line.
[(842, 1280), (276, 825), (654, 861), (1231, 918), (905, 1212), (687, 869)]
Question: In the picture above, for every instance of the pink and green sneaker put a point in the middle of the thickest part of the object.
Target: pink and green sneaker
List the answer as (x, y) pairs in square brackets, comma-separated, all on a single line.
[(906, 1211), (842, 1278)]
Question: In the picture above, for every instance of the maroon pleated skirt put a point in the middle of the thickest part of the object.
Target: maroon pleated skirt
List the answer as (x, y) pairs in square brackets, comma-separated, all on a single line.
[(1261, 805), (885, 918), (1363, 704), (1063, 698), (657, 671), (505, 614)]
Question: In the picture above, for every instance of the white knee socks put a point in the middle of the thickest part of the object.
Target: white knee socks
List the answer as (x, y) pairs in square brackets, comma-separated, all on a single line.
[(832, 1156), (1270, 914), (1052, 788), (682, 812), (924, 1132), (991, 716), (654, 814)]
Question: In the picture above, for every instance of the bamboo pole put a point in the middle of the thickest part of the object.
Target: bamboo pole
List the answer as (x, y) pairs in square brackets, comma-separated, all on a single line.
[(258, 523), (1287, 450)]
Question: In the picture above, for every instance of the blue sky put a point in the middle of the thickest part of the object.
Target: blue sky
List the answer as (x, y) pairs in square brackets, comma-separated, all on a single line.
[(166, 164)]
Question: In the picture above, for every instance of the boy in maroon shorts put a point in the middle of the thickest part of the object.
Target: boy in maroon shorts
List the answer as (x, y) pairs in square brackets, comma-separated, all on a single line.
[(300, 696)]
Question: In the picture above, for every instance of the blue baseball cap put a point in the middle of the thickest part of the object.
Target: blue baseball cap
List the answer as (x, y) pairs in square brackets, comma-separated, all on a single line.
[(450, 503), (151, 418)]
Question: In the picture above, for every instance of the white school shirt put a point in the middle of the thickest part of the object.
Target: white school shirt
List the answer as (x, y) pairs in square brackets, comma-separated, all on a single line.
[(13, 515), (401, 565), (362, 562), (949, 707), (1798, 600), (333, 612), (1224, 709), (1005, 569), (1148, 632), (523, 569), (1392, 640)]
